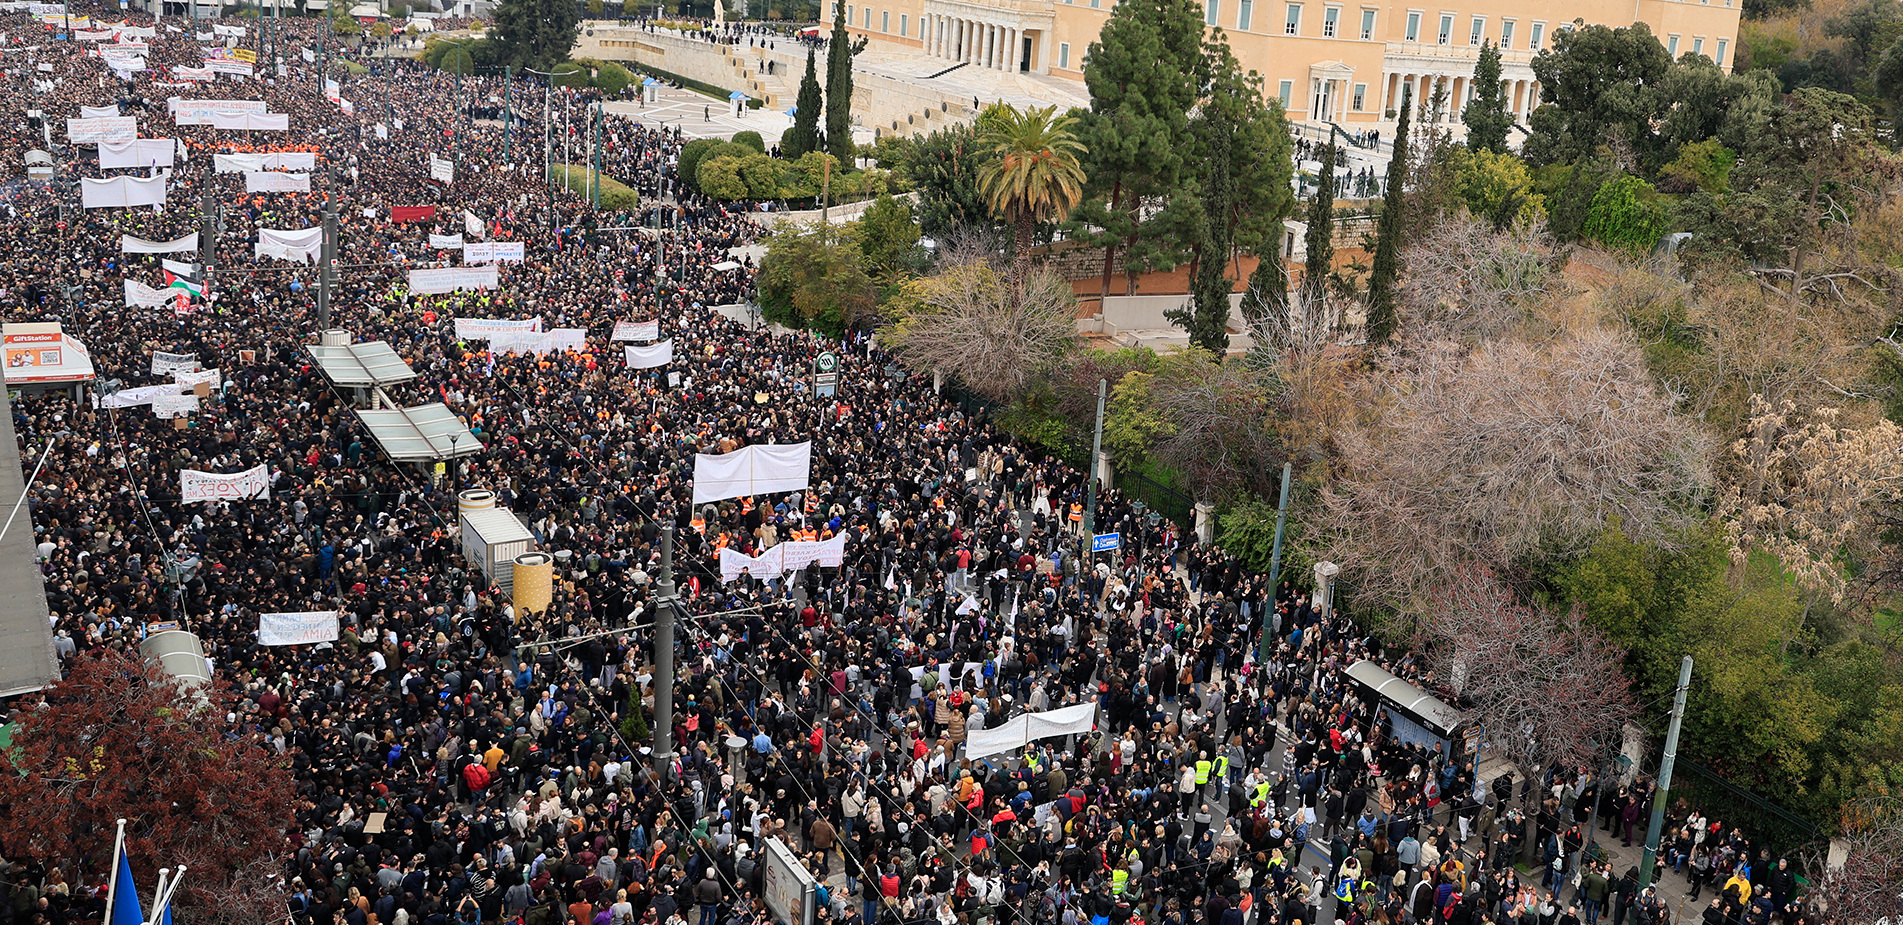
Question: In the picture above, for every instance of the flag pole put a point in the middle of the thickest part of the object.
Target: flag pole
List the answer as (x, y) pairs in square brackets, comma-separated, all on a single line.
[(157, 894), (112, 884), (162, 903)]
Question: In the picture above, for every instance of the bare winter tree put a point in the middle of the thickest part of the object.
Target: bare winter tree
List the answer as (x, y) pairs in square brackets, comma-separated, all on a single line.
[(1548, 687), (966, 323), (1466, 282), (1487, 456), (1215, 427), (1868, 887)]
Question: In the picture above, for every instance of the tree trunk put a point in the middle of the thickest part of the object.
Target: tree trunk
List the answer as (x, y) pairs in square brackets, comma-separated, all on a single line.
[(1109, 250)]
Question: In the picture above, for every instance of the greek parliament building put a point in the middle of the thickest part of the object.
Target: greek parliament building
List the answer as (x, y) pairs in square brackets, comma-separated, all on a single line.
[(1339, 61)]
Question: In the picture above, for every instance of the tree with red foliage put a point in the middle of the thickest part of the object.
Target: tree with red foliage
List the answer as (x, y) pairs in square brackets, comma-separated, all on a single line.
[(121, 739), (1548, 687)]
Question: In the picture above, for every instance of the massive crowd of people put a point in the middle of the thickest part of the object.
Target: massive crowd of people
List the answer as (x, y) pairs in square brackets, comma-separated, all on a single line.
[(508, 748)]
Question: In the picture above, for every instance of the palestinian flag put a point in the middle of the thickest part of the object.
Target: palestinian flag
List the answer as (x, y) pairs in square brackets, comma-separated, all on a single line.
[(189, 285)]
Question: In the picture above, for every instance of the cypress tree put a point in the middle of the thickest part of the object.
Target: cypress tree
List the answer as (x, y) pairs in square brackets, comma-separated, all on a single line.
[(1486, 116), (1383, 316), (804, 135), (1265, 302), (839, 51), (1321, 234), (1206, 317)]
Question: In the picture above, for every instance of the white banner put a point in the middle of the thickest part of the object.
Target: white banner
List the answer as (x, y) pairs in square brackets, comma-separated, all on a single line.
[(495, 251), (143, 395), (131, 245), (179, 268), (99, 112), (538, 343), (139, 295), (448, 242), (473, 225), (229, 66), (650, 356), (798, 554), (734, 563), (637, 330), (297, 629), (302, 245), (165, 364), (94, 131), (251, 121), (122, 192), (199, 110), (197, 486), (762, 469), (248, 163), (166, 407), (1020, 731), (137, 154), (102, 35), (442, 169), (450, 279), (485, 328), (138, 32), (276, 181), (188, 378), (191, 73), (228, 30)]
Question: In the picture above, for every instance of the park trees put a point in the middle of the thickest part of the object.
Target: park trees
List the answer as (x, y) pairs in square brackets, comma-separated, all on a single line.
[(1486, 115), (1485, 457), (1513, 661), (974, 323), (1033, 175), (120, 739), (1145, 76), (839, 51), (1383, 315), (804, 135), (533, 33)]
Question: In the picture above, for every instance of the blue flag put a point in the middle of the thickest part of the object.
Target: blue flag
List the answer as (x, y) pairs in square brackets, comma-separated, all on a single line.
[(125, 898)]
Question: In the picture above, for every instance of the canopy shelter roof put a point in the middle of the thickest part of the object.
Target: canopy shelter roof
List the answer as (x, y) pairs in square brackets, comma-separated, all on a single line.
[(424, 433), (367, 364)]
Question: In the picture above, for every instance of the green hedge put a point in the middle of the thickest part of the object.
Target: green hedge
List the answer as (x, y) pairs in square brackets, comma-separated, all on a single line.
[(615, 195)]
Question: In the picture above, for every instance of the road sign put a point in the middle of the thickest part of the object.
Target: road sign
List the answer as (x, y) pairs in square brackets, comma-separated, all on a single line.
[(825, 375), (1105, 542)]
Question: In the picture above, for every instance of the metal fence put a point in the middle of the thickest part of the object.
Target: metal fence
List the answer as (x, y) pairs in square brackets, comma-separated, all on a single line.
[(1177, 507), (1764, 822)]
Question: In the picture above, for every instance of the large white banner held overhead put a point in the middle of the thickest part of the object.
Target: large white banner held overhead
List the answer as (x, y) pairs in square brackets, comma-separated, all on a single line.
[(276, 181), (131, 245), (450, 279), (650, 356), (94, 131), (211, 486), (303, 244), (246, 163), (297, 629), (482, 328), (137, 154), (122, 192), (761, 469), (1019, 731)]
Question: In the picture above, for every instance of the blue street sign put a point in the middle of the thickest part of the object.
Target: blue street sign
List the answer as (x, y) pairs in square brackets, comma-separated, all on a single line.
[(1104, 542)]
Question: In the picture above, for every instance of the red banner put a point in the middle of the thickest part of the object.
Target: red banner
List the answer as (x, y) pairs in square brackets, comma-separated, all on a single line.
[(411, 213)]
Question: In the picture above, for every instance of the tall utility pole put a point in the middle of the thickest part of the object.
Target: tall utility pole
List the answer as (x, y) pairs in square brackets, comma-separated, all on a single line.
[(1275, 570), (1090, 484), (327, 274), (596, 200), (665, 600), (208, 238), (508, 108), (1665, 775)]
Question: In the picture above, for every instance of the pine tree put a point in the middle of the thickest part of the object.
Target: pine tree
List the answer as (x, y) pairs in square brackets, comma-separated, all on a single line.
[(1384, 316), (1321, 234), (804, 135), (533, 33), (1145, 76), (1486, 115), (839, 51)]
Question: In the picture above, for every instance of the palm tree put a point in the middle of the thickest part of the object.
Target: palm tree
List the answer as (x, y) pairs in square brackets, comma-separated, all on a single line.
[(1036, 176)]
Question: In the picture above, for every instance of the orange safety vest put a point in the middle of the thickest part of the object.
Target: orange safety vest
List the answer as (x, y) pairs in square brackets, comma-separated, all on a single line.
[(812, 503), (746, 505), (1077, 513), (700, 526)]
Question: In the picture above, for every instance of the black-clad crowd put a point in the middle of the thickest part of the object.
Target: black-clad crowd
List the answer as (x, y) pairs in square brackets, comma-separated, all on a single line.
[(508, 752)]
